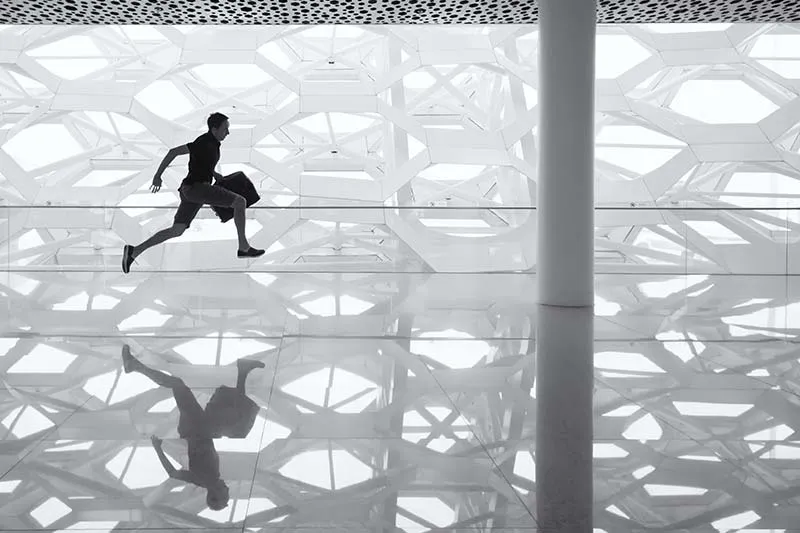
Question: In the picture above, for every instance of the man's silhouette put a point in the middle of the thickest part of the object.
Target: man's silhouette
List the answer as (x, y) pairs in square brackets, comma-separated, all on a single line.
[(229, 413), (197, 190)]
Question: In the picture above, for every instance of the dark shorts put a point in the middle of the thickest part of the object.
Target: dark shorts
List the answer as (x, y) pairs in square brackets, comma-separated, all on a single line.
[(196, 195)]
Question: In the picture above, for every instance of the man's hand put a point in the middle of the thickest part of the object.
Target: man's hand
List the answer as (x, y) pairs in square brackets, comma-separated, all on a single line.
[(156, 184), (156, 441)]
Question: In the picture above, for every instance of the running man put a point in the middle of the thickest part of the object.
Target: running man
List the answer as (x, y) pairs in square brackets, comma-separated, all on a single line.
[(229, 413), (197, 190)]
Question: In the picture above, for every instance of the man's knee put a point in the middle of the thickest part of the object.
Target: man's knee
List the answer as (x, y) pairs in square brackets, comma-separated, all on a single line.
[(177, 229), (239, 203)]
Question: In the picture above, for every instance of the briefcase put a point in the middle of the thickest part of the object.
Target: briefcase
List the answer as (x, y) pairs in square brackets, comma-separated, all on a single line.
[(239, 183)]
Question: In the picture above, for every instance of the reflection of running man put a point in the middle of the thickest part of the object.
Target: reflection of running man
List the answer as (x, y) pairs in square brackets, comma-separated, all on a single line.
[(196, 190), (229, 413)]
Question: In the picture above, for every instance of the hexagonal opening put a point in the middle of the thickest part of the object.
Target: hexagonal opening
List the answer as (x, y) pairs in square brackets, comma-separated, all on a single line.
[(7, 487), (334, 387), (644, 429), (450, 172), (736, 522), (25, 421), (51, 510), (105, 178), (113, 387), (715, 232), (343, 305), (334, 125), (721, 102), (230, 76), (624, 361), (635, 148), (56, 57), (164, 99), (115, 123), (778, 187), (43, 359), (138, 468), (776, 46), (427, 509), (453, 348), (779, 53), (278, 53), (683, 345), (673, 490), (315, 467), (607, 450), (773, 317), (603, 307), (617, 54), (27, 147), (712, 409), (214, 349), (145, 318), (525, 467)]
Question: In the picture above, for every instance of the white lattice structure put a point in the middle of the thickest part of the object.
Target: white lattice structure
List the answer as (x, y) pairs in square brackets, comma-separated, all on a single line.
[(439, 123), (396, 167)]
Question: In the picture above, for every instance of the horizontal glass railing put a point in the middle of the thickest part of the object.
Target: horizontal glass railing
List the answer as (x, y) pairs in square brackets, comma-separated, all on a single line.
[(457, 306), (374, 239)]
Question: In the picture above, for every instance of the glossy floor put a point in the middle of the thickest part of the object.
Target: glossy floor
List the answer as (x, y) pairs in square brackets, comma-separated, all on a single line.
[(387, 402)]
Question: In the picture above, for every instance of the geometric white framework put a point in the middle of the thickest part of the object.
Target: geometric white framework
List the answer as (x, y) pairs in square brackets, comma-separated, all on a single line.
[(417, 412), (399, 385), (697, 144)]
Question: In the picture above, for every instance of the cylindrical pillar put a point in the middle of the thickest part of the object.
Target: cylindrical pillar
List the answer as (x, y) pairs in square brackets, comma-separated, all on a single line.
[(565, 190), (565, 266)]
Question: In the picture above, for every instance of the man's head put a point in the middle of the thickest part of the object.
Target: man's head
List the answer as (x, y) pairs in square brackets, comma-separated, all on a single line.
[(218, 126), (217, 496)]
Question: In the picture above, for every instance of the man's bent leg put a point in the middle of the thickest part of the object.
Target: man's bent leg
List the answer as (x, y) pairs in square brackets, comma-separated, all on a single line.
[(176, 230), (131, 364), (214, 195), (245, 366), (187, 210)]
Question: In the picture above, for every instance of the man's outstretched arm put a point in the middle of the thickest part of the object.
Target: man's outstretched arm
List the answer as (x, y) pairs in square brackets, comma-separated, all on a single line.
[(168, 467), (171, 155)]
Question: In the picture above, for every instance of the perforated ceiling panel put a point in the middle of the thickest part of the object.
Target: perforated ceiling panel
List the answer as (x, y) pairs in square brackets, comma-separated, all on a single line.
[(380, 11)]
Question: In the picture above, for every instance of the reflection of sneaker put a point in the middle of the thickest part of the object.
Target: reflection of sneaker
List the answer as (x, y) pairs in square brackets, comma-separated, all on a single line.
[(128, 361), (127, 258), (246, 364), (251, 252)]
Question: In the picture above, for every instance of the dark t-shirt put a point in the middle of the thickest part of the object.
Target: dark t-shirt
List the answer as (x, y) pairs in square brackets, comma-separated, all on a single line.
[(203, 158), (203, 462)]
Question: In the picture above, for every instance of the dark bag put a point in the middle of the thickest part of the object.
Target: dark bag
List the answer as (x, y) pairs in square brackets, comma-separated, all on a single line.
[(231, 412), (239, 183)]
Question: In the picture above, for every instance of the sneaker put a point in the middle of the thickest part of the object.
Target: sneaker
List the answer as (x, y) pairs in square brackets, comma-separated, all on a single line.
[(128, 361), (247, 364), (127, 258), (250, 252)]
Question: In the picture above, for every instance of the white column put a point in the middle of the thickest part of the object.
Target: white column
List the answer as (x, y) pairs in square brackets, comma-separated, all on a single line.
[(565, 266), (565, 191)]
